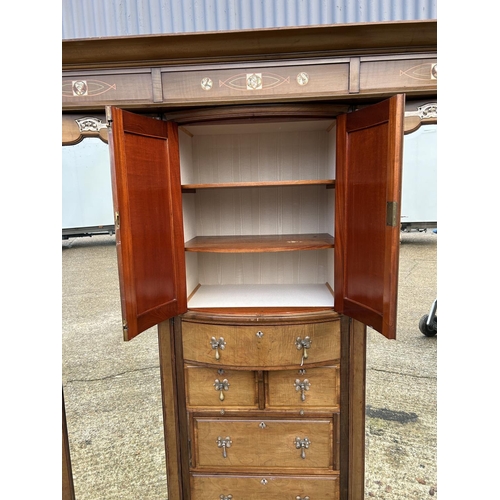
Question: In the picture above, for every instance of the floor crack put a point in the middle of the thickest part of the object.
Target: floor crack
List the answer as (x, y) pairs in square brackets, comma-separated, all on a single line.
[(116, 375), (404, 374)]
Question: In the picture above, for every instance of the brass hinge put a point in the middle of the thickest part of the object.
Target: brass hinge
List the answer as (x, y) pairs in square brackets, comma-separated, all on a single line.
[(392, 212), (125, 325), (117, 220), (108, 116)]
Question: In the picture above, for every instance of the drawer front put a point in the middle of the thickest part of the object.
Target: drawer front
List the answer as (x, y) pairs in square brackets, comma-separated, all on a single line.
[(208, 388), (212, 487), (312, 388), (261, 346), (252, 443)]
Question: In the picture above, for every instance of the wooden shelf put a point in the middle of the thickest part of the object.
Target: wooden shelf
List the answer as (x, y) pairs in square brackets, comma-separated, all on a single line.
[(189, 188), (263, 243)]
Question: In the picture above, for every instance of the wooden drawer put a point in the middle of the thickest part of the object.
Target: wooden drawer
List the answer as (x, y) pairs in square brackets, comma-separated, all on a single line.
[(261, 444), (216, 487), (265, 347), (313, 388), (209, 388)]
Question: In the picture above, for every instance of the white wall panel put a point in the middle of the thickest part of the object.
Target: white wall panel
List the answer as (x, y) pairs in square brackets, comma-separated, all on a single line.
[(107, 18)]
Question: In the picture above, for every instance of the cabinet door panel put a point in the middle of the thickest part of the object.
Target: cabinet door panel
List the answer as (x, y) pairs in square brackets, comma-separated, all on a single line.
[(149, 232), (367, 212)]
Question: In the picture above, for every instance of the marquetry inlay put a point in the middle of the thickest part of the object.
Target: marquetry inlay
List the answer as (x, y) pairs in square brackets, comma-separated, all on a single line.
[(207, 83), (425, 111), (254, 81), (90, 124), (239, 83), (425, 71), (303, 78), (84, 88)]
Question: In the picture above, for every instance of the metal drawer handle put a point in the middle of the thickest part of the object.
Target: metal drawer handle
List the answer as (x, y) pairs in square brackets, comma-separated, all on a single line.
[(230, 497), (302, 387), (298, 497), (303, 344), (302, 445), (218, 344), (221, 386), (224, 444)]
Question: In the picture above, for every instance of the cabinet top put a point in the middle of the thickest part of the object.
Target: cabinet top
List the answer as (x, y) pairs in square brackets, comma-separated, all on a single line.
[(282, 43)]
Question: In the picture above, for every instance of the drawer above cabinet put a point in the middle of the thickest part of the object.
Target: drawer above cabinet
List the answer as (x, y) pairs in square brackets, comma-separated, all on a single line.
[(262, 346), (225, 487), (231, 444)]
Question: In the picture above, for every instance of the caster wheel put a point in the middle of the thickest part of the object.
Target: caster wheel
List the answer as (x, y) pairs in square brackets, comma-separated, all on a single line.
[(428, 330)]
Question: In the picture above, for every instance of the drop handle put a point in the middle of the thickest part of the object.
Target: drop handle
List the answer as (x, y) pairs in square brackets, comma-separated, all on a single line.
[(224, 444), (228, 497), (221, 386), (218, 345), (302, 445), (303, 344), (302, 387), (298, 497)]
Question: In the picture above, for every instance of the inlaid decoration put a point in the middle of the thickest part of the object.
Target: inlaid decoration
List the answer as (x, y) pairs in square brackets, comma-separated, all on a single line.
[(77, 127), (85, 88), (254, 81), (426, 111), (89, 124), (207, 83), (424, 71), (302, 78)]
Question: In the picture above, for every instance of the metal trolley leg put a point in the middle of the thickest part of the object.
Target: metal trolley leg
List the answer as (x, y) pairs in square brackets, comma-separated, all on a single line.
[(428, 322)]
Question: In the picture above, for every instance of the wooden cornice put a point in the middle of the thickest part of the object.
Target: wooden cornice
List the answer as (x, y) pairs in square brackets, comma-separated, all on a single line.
[(211, 47)]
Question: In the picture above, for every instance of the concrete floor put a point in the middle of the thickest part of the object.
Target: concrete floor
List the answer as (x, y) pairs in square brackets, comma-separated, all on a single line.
[(113, 398)]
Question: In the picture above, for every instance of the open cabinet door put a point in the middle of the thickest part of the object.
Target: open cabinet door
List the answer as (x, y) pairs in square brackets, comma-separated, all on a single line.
[(367, 213), (145, 174)]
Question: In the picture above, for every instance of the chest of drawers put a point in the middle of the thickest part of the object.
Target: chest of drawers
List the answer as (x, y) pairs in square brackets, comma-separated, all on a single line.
[(264, 411)]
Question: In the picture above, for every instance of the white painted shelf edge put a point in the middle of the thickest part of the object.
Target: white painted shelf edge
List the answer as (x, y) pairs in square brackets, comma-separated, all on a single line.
[(216, 296)]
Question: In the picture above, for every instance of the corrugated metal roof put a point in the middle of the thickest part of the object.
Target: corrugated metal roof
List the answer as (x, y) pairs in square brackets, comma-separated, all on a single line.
[(110, 18)]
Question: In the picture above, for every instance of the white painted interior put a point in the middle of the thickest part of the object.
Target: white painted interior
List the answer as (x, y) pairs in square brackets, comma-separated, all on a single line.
[(302, 150)]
